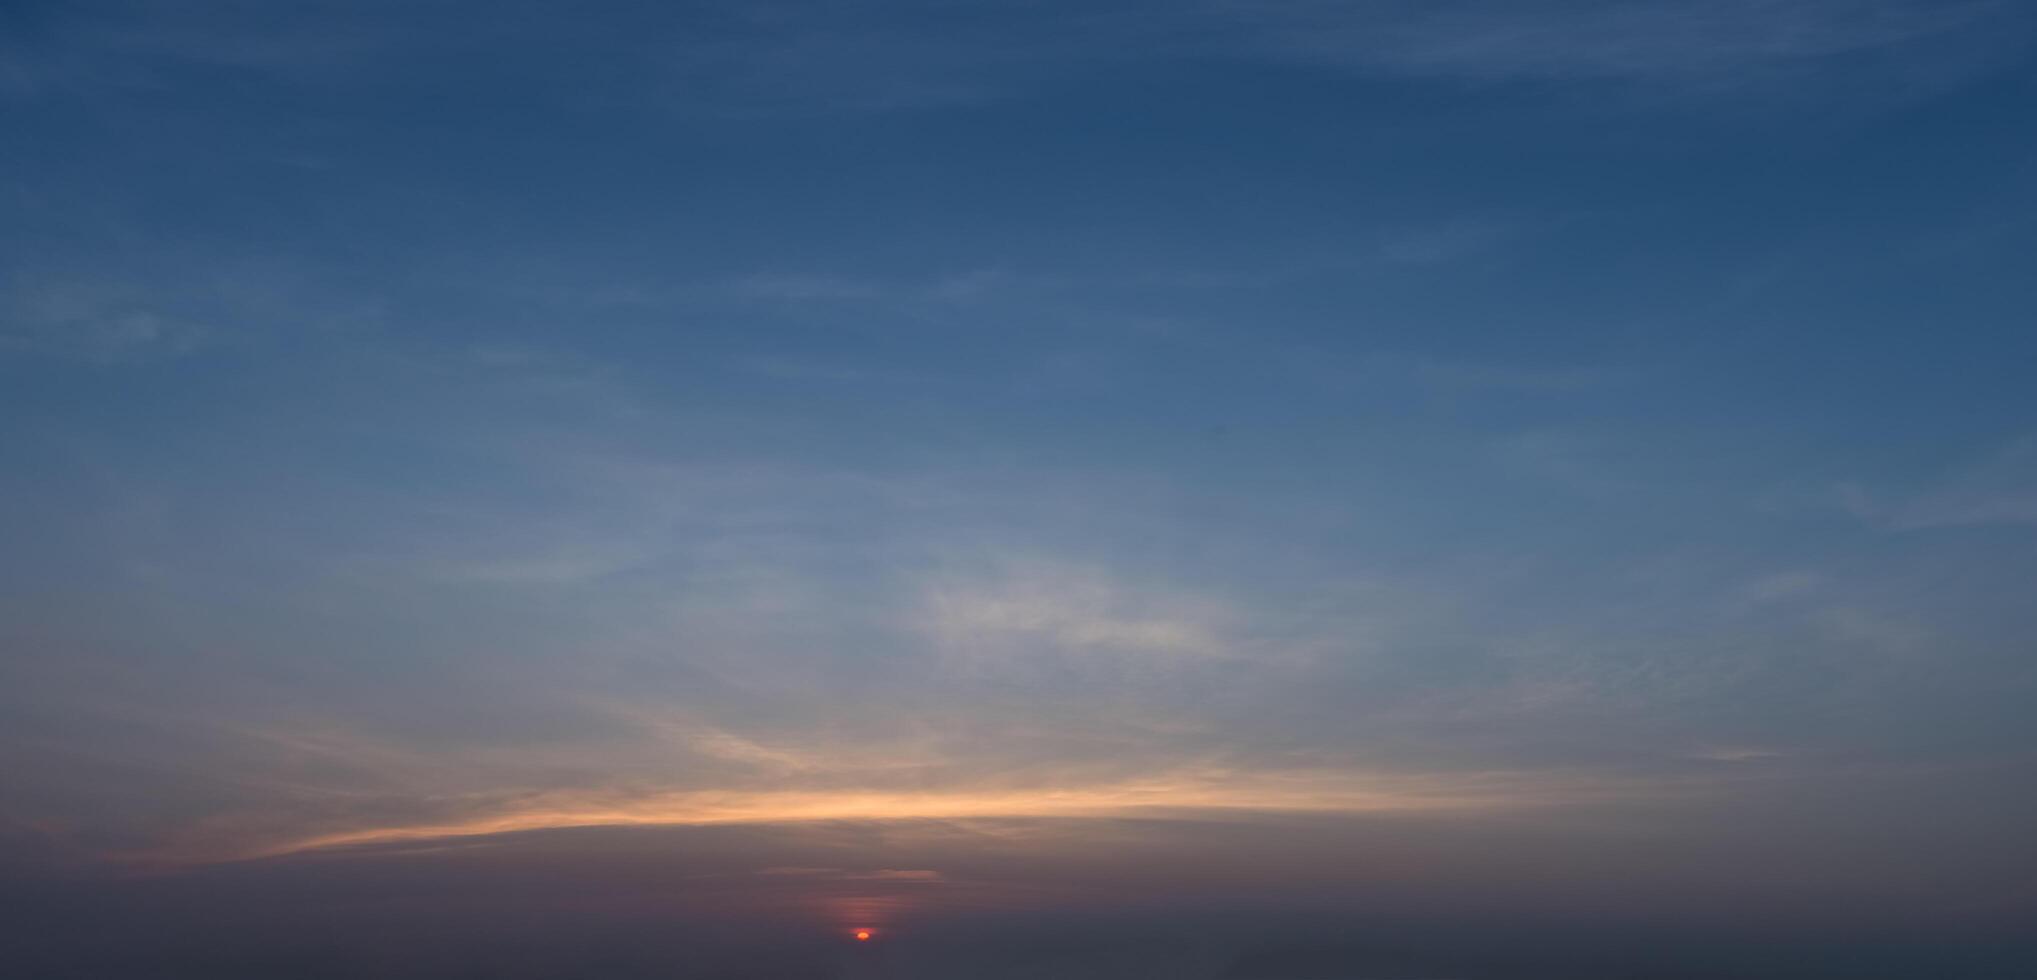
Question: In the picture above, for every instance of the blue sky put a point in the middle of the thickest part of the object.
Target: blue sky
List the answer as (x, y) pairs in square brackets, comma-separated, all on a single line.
[(445, 418)]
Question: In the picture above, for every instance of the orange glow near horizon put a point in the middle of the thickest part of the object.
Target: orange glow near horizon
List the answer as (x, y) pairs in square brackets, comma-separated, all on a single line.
[(862, 935), (1196, 789)]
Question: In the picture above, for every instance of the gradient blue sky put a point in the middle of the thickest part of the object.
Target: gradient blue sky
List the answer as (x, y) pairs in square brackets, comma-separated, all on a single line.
[(432, 418)]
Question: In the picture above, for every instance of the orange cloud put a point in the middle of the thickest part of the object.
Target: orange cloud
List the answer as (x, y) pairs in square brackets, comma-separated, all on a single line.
[(1192, 789)]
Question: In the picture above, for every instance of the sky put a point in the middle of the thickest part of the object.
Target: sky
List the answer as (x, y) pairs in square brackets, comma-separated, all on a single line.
[(1277, 491)]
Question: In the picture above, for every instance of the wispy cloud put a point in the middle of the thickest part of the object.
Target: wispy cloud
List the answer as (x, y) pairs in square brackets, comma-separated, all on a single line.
[(1712, 43), (95, 319), (1035, 609), (880, 874), (130, 301), (1184, 792), (958, 287), (927, 56), (916, 54), (1783, 586), (1735, 754), (2001, 489)]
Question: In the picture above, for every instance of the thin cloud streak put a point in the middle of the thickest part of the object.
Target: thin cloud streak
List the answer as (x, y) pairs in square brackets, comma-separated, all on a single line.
[(865, 57), (1184, 793)]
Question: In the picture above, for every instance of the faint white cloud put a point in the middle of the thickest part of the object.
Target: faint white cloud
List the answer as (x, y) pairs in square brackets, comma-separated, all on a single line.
[(1999, 490), (808, 370), (1442, 242), (95, 319), (1870, 631), (925, 54), (696, 736), (808, 288), (1734, 753), (1034, 608), (961, 287), (1389, 250), (1715, 42), (844, 874), (1449, 374), (1855, 500), (158, 302), (1700, 46), (1383, 250), (910, 54), (1582, 462), (133, 43), (1782, 586)]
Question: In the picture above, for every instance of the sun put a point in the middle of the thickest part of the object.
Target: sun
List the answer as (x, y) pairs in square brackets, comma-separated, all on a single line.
[(862, 935)]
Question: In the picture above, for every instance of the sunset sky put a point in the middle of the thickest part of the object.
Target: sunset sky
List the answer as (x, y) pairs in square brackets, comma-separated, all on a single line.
[(1281, 490)]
